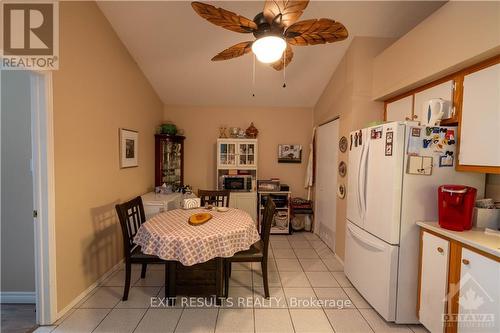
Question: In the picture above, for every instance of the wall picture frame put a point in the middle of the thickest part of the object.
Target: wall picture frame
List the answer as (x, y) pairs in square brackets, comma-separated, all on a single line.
[(129, 148), (289, 153)]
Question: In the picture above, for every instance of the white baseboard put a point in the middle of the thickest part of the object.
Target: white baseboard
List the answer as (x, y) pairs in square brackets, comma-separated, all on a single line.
[(339, 259), (27, 297), (89, 289)]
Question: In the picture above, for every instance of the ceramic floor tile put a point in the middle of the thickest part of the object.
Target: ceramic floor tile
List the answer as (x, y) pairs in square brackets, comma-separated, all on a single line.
[(288, 265), (241, 278), (45, 329), (347, 321), (141, 297), (418, 329), (313, 265), (241, 266), (301, 298), (378, 324), (276, 298), (333, 264), (65, 316), (306, 253), (342, 279), (235, 320), (296, 236), (318, 245), (280, 244), (294, 279), (161, 302), (159, 320), (239, 297), (310, 236), (284, 254), (103, 297), (273, 279), (273, 321), (334, 298), (325, 252), (271, 266), (82, 320), (121, 321), (117, 279), (310, 321), (300, 244), (322, 279), (154, 278), (357, 299), (197, 321)]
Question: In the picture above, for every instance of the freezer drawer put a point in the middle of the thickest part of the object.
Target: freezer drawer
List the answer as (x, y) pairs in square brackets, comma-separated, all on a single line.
[(371, 265)]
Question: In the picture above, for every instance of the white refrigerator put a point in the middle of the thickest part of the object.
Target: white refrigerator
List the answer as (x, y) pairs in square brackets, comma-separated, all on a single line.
[(388, 192)]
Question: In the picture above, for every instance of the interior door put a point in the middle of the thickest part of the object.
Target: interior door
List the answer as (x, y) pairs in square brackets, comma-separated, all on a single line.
[(382, 181), (327, 137)]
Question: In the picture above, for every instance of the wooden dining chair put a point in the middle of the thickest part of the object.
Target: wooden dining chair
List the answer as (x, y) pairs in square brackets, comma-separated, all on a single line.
[(257, 252), (131, 216), (219, 198)]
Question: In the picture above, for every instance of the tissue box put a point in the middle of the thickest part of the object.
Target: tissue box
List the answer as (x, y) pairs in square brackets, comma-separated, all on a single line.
[(486, 218), (191, 203)]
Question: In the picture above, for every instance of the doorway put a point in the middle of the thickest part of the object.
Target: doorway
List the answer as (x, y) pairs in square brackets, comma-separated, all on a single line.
[(326, 181)]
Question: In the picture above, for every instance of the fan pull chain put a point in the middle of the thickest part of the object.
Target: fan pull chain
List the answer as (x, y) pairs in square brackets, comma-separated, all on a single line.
[(284, 69), (253, 77)]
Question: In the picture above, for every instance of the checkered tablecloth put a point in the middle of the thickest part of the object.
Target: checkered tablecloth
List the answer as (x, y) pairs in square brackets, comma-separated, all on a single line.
[(169, 236)]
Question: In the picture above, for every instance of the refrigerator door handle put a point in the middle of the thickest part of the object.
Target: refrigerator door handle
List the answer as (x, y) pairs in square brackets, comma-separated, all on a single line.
[(364, 241), (358, 189), (362, 178)]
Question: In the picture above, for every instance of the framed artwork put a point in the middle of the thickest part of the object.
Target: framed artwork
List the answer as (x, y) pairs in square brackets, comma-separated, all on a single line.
[(289, 153), (129, 148)]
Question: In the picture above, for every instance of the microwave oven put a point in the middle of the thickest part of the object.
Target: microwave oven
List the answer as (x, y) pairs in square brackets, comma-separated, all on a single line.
[(241, 183)]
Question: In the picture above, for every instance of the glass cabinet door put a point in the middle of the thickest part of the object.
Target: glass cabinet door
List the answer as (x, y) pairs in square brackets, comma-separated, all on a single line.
[(227, 154), (171, 163), (247, 154)]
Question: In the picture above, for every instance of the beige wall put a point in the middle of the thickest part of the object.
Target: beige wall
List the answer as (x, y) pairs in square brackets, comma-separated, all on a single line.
[(457, 35), (17, 232), (97, 90), (348, 95), (493, 187), (275, 125)]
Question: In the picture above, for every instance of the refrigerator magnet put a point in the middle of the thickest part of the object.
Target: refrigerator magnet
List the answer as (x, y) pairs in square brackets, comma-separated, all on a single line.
[(446, 160), (356, 139), (415, 132)]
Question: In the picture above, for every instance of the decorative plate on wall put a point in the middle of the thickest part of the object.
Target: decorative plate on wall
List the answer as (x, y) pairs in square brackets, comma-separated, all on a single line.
[(342, 169), (341, 191), (343, 144)]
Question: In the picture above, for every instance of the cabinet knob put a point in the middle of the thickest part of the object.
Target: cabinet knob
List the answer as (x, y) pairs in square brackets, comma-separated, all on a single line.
[(465, 261), (440, 249)]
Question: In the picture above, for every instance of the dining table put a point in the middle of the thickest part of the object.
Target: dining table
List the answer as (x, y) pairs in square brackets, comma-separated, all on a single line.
[(195, 253)]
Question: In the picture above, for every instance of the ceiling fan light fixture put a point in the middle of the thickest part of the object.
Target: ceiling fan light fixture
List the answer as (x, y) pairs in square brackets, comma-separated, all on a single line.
[(269, 49)]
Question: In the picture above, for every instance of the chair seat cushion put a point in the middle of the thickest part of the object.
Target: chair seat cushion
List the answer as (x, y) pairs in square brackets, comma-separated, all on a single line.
[(255, 251), (137, 254)]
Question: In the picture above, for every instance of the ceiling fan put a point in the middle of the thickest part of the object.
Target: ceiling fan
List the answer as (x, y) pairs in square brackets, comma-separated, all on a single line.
[(275, 28)]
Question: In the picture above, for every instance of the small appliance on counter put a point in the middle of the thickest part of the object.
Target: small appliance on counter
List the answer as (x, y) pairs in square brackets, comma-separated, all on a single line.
[(455, 206)]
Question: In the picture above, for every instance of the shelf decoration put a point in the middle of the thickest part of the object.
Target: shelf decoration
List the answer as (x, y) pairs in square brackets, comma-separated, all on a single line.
[(289, 153), (129, 148)]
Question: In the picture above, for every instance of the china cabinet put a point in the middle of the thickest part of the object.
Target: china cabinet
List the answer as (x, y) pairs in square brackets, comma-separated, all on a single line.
[(169, 160)]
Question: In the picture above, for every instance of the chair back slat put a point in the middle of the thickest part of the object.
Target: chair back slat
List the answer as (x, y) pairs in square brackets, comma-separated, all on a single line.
[(219, 198), (131, 216), (267, 220)]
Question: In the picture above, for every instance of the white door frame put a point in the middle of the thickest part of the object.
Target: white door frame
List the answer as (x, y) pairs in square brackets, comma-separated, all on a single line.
[(42, 139)]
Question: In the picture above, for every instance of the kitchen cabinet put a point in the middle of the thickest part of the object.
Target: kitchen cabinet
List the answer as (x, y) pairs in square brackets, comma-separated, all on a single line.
[(236, 154), (400, 110), (246, 201), (434, 281), (459, 274), (479, 292), (169, 160), (480, 119)]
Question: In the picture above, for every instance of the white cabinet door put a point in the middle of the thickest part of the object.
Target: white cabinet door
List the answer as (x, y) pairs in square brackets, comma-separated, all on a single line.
[(247, 154), (479, 133), (400, 110), (246, 201), (443, 91), (434, 282), (226, 154), (479, 301)]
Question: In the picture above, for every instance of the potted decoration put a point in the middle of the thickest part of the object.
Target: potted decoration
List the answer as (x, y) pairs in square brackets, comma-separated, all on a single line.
[(168, 128)]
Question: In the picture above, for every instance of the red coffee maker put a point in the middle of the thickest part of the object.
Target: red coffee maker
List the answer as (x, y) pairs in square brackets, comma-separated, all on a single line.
[(456, 205)]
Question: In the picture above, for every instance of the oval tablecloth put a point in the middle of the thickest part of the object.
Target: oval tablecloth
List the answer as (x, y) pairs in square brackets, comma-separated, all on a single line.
[(169, 236)]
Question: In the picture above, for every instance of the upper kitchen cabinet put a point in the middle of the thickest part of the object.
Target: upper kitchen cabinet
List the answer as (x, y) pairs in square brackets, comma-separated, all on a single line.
[(480, 121), (441, 96), (237, 153), (401, 109)]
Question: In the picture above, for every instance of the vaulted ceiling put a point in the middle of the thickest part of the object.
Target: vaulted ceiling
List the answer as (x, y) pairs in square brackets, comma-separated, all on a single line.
[(173, 47)]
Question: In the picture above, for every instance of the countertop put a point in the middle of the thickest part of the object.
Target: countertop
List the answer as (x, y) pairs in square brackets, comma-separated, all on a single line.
[(475, 238)]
